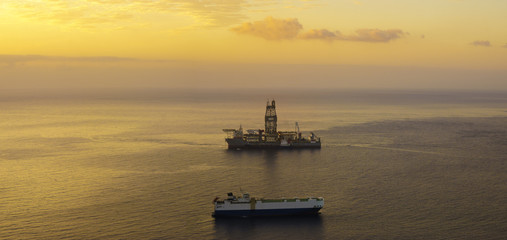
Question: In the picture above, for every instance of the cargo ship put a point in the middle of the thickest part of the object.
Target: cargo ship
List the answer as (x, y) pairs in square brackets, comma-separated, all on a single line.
[(246, 206), (269, 137)]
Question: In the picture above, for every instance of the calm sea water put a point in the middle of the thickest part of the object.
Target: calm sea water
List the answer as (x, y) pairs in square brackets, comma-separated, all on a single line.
[(147, 164)]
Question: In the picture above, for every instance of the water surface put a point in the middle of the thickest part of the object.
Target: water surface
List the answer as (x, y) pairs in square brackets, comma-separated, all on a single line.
[(146, 165)]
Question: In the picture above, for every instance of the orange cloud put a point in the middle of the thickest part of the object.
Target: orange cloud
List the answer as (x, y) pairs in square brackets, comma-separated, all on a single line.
[(481, 43), (319, 34), (279, 29), (271, 28), (362, 35), (375, 35), (96, 13)]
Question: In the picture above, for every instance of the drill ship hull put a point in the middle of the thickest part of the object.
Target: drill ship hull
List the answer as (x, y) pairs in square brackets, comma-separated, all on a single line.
[(244, 144), (269, 137)]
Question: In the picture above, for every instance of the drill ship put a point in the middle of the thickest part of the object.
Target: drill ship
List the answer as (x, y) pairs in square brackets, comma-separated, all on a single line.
[(269, 137), (246, 206)]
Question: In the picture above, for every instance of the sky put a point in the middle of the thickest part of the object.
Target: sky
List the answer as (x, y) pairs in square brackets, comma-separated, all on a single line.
[(322, 44)]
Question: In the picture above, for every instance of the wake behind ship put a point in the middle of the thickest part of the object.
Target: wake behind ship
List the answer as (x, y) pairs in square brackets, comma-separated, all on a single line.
[(269, 137)]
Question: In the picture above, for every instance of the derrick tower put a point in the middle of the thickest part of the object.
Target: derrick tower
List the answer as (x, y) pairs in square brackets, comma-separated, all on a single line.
[(270, 122)]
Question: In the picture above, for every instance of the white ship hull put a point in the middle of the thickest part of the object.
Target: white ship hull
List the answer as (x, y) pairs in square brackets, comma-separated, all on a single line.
[(246, 206)]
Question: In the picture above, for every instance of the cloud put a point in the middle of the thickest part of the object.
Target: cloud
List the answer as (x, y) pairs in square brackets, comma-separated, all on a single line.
[(83, 13), (323, 34), (481, 43), (271, 28), (374, 35), (14, 59), (97, 13), (279, 29), (361, 35), (212, 12)]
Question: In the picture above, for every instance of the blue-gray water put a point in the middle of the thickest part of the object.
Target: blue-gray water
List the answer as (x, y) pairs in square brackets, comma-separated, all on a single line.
[(147, 165)]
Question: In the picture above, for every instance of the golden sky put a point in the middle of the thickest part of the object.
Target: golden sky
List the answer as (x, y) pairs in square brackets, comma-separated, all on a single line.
[(177, 43)]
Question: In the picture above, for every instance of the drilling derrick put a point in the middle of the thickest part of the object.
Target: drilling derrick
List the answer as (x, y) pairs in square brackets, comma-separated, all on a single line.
[(270, 123)]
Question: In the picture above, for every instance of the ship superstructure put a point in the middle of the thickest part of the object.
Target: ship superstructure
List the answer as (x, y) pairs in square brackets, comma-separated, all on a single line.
[(269, 137), (246, 206)]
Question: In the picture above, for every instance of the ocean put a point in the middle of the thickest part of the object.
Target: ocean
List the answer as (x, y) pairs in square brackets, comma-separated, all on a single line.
[(146, 164)]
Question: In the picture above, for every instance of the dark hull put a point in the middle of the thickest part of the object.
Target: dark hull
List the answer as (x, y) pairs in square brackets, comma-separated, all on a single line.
[(267, 213), (241, 144)]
